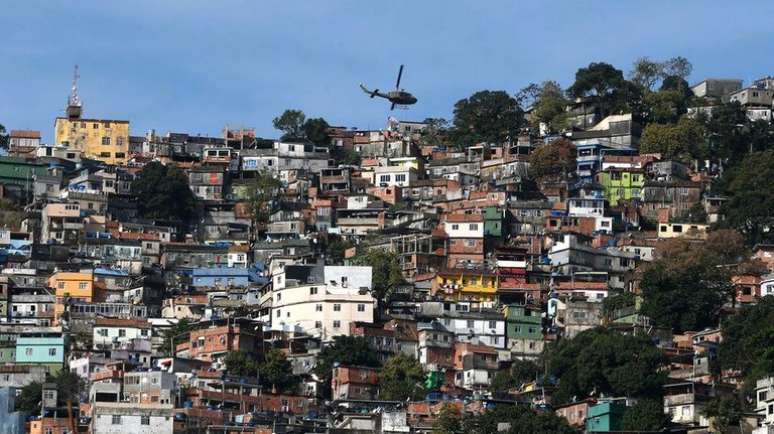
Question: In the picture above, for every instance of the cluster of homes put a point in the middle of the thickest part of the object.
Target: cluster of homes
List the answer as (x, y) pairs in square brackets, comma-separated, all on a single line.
[(492, 272)]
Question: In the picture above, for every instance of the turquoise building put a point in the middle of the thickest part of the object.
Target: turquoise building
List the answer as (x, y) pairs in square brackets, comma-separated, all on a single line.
[(605, 416), (43, 350)]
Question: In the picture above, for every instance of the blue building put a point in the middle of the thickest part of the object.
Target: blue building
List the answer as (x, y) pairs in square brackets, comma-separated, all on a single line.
[(220, 277), (11, 422)]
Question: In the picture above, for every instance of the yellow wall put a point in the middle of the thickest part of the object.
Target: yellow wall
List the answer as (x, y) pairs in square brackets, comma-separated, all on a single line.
[(81, 134), (476, 286), (74, 285)]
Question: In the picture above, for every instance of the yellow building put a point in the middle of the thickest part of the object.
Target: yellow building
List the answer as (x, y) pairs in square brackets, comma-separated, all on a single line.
[(72, 285), (466, 285), (99, 139)]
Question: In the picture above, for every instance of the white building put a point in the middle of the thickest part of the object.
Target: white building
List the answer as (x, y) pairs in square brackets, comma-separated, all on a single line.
[(394, 176), (132, 418), (320, 300), (114, 332), (464, 226)]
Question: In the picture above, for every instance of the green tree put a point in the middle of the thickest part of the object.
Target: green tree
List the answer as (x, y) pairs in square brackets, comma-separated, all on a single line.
[(291, 123), (607, 86), (28, 400), (68, 385), (4, 138), (679, 141), (725, 412), (549, 107), (617, 302), (261, 194), (317, 131), (449, 421), (436, 132), (748, 341), (645, 415), (664, 106), (750, 207), (686, 285), (606, 362), (386, 274), (276, 372), (520, 372), (677, 67), (242, 364), (553, 161), (646, 73), (727, 136), (487, 116), (522, 420), (162, 192), (401, 379), (346, 351), (336, 249)]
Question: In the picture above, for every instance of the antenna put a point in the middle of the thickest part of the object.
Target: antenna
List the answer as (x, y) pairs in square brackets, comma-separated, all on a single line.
[(74, 100)]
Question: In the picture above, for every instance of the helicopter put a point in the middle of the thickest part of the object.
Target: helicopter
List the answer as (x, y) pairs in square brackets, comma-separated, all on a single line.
[(396, 97)]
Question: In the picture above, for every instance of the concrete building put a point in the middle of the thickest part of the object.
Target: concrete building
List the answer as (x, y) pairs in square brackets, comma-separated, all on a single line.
[(61, 223), (100, 139)]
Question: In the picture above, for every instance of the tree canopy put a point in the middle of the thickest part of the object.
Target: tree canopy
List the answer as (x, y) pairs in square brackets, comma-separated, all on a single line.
[(602, 361), (549, 107), (750, 204), (487, 116), (685, 287), (522, 420), (748, 341), (261, 194), (4, 138), (317, 131), (682, 141), (163, 193), (345, 350), (401, 379), (291, 123), (386, 273), (553, 160), (274, 371)]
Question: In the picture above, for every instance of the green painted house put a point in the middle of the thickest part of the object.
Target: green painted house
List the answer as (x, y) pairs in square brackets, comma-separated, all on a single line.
[(524, 330), (493, 222), (621, 184), (18, 174), (605, 416)]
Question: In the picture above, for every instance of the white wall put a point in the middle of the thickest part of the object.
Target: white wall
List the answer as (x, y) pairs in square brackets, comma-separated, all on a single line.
[(464, 229)]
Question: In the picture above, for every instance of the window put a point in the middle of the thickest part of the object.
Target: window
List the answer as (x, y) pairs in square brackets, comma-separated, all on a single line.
[(361, 308), (279, 296), (82, 285), (663, 228), (384, 178), (473, 226), (106, 140), (336, 324), (400, 177), (52, 351), (279, 313), (121, 333), (120, 155), (318, 308), (104, 154), (677, 228), (763, 395), (492, 324), (60, 285), (116, 419), (313, 290), (455, 227), (28, 351), (145, 420), (318, 324), (337, 307), (470, 323)]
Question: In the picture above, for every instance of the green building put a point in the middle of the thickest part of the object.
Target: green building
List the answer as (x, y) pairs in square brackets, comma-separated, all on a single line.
[(524, 331), (493, 222), (17, 175), (621, 184), (605, 416)]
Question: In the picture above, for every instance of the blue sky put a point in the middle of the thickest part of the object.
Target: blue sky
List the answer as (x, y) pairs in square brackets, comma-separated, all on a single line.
[(194, 66)]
